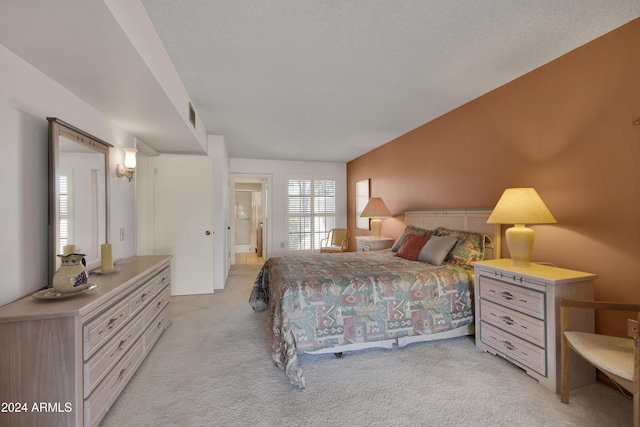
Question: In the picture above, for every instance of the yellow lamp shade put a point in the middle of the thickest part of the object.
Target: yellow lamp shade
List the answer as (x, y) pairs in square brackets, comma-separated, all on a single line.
[(520, 206)]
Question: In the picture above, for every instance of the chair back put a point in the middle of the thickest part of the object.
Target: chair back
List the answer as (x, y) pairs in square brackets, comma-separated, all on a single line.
[(337, 240), (338, 236)]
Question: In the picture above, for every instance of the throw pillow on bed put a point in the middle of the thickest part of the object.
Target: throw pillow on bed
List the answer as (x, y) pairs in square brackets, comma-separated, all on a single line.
[(436, 249), (411, 246), (410, 229), (470, 246)]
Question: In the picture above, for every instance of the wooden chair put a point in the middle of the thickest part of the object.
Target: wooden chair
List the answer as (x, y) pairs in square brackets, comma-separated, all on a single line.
[(336, 241), (618, 358)]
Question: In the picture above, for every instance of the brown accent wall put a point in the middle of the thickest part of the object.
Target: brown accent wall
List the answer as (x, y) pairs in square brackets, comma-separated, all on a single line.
[(565, 129)]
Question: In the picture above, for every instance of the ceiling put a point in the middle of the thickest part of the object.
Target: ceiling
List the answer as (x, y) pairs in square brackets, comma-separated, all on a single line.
[(301, 79)]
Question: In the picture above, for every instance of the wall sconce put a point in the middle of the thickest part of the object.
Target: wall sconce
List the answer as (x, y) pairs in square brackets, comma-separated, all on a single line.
[(520, 206), (376, 210), (129, 164)]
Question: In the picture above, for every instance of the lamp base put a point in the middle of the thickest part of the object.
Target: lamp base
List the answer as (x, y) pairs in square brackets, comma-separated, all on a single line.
[(376, 227), (520, 243)]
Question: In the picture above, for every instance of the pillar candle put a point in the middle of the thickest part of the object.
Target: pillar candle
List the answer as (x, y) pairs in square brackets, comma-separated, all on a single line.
[(106, 258), (68, 249)]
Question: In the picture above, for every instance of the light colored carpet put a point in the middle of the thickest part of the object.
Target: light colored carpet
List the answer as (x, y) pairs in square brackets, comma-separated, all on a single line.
[(213, 367)]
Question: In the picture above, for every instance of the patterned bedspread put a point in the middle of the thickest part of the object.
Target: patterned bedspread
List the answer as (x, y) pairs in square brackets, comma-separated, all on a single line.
[(323, 300)]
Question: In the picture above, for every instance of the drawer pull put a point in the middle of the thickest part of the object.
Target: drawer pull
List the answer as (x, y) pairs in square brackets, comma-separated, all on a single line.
[(508, 345), (160, 303), (112, 323), (123, 342), (507, 295), (143, 296), (508, 320), (123, 371)]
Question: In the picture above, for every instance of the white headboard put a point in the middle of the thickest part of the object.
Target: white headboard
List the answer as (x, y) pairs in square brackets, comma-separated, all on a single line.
[(474, 220)]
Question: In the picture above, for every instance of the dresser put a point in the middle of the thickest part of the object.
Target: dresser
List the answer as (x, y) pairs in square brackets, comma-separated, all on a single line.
[(65, 361), (368, 243), (517, 314)]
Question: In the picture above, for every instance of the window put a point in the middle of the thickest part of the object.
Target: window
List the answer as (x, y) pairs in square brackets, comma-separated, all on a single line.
[(311, 212), (65, 212)]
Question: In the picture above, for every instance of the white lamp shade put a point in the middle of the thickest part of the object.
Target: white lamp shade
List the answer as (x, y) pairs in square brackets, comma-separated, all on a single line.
[(375, 210), (130, 158)]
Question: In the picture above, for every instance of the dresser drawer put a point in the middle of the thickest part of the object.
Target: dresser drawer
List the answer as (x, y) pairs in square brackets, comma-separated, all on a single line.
[(518, 298), (106, 393), (162, 322), (98, 366), (156, 306), (162, 279), (141, 297), (523, 326), (515, 348), (102, 328)]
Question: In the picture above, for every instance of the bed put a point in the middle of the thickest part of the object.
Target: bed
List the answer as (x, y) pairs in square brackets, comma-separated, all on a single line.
[(332, 303)]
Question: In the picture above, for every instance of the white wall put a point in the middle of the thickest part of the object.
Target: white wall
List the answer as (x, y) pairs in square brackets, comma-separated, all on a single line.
[(280, 170), (27, 98), (218, 152)]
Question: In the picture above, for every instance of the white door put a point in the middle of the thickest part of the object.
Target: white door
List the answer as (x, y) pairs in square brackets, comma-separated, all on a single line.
[(184, 220)]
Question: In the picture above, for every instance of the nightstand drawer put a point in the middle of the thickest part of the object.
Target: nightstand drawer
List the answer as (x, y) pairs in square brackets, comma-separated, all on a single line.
[(513, 347), (367, 243), (523, 326), (524, 300)]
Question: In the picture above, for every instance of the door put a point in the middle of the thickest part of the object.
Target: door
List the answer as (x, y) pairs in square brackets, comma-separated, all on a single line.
[(184, 221)]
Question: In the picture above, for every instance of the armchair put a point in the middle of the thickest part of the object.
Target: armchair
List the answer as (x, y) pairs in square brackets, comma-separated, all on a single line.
[(337, 240), (618, 358)]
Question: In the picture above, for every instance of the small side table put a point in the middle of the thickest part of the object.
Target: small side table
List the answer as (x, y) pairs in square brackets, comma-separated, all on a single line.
[(518, 317), (368, 243)]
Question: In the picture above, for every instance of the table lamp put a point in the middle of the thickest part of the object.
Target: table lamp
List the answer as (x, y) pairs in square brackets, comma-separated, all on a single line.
[(376, 210), (520, 206)]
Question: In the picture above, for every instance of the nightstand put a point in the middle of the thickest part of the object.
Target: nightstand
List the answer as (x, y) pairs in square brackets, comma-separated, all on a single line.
[(517, 313), (368, 243)]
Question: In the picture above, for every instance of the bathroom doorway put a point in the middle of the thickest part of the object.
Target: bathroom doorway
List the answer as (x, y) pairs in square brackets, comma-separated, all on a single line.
[(249, 232)]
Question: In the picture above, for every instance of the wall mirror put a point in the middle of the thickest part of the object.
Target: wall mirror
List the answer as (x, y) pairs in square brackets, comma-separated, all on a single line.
[(78, 194)]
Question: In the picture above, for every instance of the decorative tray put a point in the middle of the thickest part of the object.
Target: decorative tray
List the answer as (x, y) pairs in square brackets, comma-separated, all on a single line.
[(51, 293)]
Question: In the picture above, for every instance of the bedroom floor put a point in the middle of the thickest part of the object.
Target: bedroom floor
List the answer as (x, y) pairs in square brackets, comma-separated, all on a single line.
[(213, 367)]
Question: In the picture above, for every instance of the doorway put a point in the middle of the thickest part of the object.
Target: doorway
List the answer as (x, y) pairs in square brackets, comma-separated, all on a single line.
[(249, 218)]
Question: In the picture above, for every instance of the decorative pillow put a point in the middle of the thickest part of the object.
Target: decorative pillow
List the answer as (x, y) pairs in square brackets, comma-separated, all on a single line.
[(411, 246), (469, 248), (410, 229), (436, 249)]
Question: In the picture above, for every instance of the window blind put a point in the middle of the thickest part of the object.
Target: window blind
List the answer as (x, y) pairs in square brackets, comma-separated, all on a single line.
[(311, 212)]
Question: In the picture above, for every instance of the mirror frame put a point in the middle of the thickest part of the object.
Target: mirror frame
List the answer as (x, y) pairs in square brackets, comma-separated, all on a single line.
[(56, 129)]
